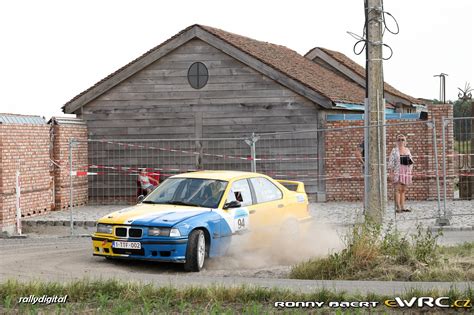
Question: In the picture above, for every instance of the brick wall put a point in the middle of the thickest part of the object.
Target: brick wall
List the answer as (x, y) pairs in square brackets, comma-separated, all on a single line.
[(24, 148), (345, 175), (62, 135), (44, 187)]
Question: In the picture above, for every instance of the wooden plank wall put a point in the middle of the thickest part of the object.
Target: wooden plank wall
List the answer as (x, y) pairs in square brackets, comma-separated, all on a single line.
[(159, 103)]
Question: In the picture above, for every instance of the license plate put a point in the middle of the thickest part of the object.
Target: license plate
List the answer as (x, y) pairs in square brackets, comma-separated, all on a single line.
[(127, 245)]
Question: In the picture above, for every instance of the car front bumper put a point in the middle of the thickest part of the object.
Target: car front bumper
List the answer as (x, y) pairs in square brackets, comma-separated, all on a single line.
[(169, 249)]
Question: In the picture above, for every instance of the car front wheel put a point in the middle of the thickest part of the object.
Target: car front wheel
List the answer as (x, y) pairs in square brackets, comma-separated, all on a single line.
[(195, 251)]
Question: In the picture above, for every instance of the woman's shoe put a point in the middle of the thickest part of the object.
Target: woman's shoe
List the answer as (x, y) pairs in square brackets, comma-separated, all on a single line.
[(398, 211), (406, 210)]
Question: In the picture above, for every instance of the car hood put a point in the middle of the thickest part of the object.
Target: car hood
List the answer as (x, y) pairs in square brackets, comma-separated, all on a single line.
[(152, 215)]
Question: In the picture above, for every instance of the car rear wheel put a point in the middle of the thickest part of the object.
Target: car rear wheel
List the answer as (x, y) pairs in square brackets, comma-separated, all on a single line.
[(196, 251)]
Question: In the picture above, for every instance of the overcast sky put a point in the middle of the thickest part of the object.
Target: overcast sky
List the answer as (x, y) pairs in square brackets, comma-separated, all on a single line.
[(53, 50)]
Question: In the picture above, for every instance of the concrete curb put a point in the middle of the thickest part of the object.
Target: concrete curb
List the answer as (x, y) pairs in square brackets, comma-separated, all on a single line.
[(453, 228), (433, 228), (6, 236), (44, 223)]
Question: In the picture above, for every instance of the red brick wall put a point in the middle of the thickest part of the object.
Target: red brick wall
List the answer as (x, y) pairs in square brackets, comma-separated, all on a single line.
[(27, 148), (62, 135), (24, 148), (345, 175)]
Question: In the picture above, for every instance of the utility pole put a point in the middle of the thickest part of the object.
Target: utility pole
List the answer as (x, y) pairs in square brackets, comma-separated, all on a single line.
[(376, 199), (442, 87)]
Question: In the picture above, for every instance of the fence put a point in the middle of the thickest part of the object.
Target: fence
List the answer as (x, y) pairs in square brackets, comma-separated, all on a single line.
[(114, 166), (459, 133), (108, 171), (324, 159)]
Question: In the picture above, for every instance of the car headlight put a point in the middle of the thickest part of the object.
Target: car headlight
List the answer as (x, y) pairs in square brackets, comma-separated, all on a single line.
[(174, 232), (104, 228), (163, 231), (159, 231)]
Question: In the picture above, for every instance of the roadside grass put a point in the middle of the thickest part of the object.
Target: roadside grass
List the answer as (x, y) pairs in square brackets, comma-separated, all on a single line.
[(373, 254), (115, 297)]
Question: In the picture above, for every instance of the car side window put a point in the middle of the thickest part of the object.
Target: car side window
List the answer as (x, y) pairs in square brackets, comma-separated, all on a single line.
[(265, 190), (240, 191)]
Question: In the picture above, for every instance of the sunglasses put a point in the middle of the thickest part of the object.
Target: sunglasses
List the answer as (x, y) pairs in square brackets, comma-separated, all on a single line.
[(400, 140)]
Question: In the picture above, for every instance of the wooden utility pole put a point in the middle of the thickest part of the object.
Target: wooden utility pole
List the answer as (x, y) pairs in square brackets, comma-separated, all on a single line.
[(375, 112)]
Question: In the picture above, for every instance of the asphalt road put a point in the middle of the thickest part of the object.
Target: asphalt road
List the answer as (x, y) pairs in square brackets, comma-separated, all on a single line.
[(70, 258)]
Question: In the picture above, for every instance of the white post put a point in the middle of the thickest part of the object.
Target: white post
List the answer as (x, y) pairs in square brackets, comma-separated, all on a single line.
[(18, 202), (71, 144), (253, 153)]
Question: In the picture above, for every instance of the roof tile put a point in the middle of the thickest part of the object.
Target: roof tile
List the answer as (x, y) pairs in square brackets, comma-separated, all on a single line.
[(314, 76), (348, 62), (296, 66)]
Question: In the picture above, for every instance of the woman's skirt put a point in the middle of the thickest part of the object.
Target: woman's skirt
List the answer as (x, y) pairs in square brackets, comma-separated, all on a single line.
[(405, 176)]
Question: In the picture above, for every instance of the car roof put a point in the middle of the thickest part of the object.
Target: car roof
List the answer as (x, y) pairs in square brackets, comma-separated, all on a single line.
[(219, 175)]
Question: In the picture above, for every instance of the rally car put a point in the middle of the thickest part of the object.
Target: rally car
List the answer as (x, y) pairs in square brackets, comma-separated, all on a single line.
[(192, 216)]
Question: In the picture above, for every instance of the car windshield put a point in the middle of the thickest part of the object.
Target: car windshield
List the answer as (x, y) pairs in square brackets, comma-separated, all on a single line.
[(195, 192)]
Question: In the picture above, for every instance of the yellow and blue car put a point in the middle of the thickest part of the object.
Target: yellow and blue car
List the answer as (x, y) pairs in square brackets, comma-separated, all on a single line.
[(192, 216)]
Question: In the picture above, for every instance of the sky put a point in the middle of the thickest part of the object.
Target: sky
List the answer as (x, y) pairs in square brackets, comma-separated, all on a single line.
[(53, 50)]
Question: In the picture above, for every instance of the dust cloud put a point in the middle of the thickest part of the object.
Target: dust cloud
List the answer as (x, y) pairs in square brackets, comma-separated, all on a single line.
[(272, 249)]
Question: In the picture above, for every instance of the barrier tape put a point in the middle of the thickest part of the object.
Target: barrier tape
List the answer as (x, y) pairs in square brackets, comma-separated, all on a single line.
[(184, 170), (261, 158), (82, 173), (248, 158), (307, 175)]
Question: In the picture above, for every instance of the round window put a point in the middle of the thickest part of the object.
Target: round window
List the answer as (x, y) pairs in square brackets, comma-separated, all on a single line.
[(198, 75)]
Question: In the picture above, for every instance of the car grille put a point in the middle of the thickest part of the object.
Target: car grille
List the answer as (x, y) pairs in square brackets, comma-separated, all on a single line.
[(133, 232), (128, 232), (121, 232)]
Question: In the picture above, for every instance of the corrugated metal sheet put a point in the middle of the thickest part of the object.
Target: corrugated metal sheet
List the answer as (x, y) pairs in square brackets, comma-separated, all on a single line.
[(335, 117), (66, 121), (360, 107), (21, 120)]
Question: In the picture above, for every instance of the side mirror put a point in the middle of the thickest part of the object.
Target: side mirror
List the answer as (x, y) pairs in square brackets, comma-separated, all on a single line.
[(232, 204), (140, 198)]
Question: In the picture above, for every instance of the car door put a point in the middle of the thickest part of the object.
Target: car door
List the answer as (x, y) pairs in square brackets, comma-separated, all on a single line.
[(240, 191), (268, 210)]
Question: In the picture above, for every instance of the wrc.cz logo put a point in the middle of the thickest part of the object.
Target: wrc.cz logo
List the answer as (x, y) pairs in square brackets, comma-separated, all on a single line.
[(424, 301)]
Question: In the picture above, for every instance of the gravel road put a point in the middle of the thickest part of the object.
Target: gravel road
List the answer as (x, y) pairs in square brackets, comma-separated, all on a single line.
[(69, 258), (49, 254)]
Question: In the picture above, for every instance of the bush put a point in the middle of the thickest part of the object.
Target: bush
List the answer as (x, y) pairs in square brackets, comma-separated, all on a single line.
[(371, 253), (425, 245)]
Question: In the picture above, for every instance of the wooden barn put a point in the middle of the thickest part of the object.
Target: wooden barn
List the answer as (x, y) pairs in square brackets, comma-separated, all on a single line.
[(208, 83)]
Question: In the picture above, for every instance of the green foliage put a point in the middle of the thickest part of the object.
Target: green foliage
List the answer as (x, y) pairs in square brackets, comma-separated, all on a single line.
[(396, 247), (373, 254), (425, 245), (462, 127), (462, 108), (115, 297)]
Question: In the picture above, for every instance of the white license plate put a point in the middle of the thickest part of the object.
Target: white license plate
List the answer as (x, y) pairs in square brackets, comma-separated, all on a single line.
[(127, 245)]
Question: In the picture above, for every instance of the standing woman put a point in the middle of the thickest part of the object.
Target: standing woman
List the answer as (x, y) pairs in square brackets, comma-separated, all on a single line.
[(400, 165)]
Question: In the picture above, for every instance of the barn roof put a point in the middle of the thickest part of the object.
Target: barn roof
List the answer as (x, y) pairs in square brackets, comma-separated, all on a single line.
[(359, 70), (321, 85), (297, 67)]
